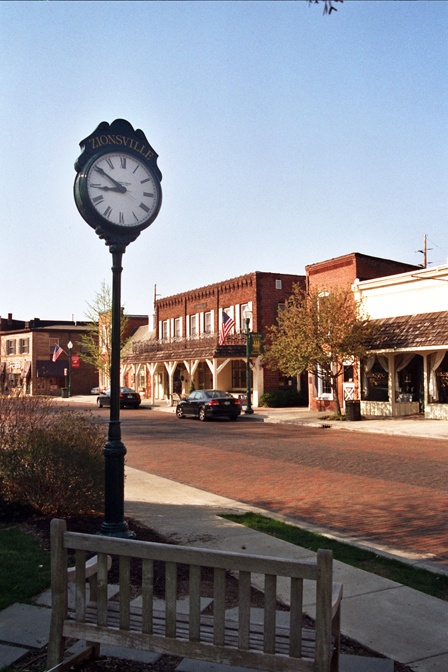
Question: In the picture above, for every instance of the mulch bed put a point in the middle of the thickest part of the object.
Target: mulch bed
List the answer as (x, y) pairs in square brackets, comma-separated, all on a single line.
[(35, 661)]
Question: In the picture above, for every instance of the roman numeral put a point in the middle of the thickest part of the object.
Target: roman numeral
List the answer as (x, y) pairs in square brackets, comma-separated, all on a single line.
[(107, 211), (121, 218), (97, 199), (148, 193), (144, 207), (147, 180), (109, 163), (123, 162)]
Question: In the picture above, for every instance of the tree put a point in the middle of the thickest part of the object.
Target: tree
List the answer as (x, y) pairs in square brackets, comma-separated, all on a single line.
[(319, 331), (96, 343)]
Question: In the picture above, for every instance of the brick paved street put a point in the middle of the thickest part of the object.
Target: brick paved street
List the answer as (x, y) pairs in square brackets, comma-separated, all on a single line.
[(392, 490)]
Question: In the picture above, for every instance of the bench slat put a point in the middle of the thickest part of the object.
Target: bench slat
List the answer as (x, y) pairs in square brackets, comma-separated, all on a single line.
[(270, 600), (295, 616), (147, 595), (124, 595), (219, 605), (244, 609), (195, 602), (170, 596)]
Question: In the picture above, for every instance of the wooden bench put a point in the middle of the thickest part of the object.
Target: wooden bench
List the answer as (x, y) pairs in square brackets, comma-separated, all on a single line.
[(215, 638)]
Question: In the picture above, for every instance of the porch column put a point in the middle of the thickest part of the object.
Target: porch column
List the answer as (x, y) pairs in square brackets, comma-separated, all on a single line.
[(391, 384), (152, 371), (426, 374), (170, 367)]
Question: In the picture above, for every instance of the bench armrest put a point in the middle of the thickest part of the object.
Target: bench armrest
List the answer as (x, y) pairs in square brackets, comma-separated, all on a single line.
[(336, 599)]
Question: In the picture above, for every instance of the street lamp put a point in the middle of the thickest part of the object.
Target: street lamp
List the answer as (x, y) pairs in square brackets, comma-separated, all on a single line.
[(247, 319), (69, 346)]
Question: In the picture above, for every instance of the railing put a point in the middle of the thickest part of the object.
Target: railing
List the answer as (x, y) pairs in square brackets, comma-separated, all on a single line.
[(201, 340)]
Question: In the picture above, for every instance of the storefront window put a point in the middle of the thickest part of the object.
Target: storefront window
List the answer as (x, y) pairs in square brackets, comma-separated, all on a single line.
[(440, 393), (374, 381)]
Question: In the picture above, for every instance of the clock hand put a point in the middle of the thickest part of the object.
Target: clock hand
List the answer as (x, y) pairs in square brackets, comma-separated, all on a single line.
[(119, 187)]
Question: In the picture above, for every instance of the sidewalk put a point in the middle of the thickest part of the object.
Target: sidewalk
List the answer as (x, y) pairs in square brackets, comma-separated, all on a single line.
[(396, 621)]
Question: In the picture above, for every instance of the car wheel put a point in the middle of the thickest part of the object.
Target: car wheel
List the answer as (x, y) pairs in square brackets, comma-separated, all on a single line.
[(202, 416), (99, 404), (180, 413)]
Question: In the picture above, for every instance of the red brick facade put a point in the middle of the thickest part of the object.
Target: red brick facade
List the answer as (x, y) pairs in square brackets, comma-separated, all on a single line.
[(184, 351), (342, 272)]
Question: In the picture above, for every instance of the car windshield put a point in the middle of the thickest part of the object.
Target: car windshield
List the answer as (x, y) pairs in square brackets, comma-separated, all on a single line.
[(126, 390)]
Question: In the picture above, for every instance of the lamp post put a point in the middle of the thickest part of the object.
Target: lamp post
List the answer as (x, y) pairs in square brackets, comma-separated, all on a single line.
[(69, 347), (247, 319)]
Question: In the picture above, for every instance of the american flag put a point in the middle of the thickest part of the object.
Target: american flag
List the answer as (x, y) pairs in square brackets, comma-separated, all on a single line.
[(57, 351), (226, 327)]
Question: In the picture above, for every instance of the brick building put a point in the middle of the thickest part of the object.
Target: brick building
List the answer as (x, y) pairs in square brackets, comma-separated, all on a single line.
[(343, 272), (180, 348), (26, 352)]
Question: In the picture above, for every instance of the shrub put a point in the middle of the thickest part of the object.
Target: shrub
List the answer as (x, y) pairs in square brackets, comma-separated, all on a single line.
[(282, 399), (54, 465)]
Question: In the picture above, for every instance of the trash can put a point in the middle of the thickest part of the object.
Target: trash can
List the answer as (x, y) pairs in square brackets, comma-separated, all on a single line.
[(353, 409), (64, 392)]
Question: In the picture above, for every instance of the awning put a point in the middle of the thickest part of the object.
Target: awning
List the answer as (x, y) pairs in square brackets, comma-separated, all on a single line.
[(420, 331), (26, 370), (49, 369)]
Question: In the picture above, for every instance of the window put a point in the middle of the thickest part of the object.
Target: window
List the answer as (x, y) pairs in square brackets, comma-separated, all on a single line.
[(239, 375), (10, 347), (278, 284), (178, 327), (324, 386), (193, 325), (24, 346), (165, 330), (208, 325)]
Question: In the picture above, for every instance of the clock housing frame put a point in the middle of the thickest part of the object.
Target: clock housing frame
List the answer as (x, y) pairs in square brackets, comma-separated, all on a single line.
[(118, 137)]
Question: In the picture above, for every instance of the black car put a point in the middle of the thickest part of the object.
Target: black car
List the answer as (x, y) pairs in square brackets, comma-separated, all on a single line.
[(128, 397), (205, 404)]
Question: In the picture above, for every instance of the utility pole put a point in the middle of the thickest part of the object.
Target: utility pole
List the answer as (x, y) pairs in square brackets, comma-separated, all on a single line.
[(425, 251)]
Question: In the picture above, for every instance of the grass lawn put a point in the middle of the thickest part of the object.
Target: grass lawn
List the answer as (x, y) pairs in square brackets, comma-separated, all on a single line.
[(24, 566), (420, 579)]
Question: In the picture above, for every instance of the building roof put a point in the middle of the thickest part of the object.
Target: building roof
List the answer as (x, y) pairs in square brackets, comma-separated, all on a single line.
[(412, 332)]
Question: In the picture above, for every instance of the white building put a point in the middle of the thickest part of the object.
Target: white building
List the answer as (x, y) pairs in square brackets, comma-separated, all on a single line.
[(407, 370)]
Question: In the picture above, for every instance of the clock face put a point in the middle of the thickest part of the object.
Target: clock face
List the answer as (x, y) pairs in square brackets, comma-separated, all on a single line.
[(123, 190)]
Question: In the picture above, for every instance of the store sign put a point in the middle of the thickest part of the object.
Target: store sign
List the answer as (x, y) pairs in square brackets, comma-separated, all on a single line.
[(76, 361), (256, 343)]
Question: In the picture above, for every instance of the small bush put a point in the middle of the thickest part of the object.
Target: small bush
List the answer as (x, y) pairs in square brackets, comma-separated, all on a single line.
[(282, 399), (56, 465)]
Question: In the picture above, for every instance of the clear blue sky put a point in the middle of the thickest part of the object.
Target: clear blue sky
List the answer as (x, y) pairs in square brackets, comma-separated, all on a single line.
[(285, 138)]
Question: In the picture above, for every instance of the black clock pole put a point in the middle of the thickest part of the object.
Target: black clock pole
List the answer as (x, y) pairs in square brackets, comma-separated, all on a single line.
[(117, 191), (114, 451)]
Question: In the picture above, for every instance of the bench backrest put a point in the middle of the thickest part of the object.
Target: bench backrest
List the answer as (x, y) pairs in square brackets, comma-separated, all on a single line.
[(318, 570)]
